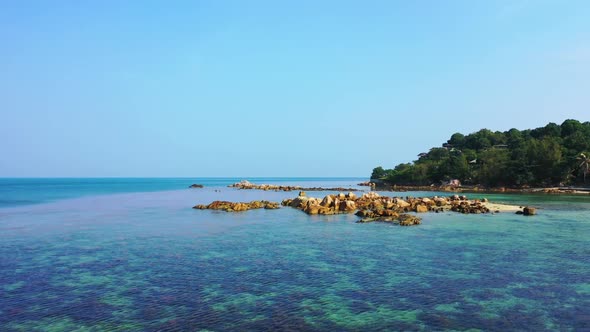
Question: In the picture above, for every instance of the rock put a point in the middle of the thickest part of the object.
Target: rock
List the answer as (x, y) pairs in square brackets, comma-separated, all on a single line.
[(336, 204), (529, 211), (519, 212), (302, 193), (351, 196), (420, 208), (341, 196), (238, 206), (326, 210), (401, 203), (196, 186), (388, 213), (371, 195), (348, 206), (365, 213), (255, 205), (327, 201), (409, 220), (312, 209), (299, 202), (271, 205)]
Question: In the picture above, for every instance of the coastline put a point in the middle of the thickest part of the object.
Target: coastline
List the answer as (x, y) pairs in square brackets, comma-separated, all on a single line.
[(475, 189)]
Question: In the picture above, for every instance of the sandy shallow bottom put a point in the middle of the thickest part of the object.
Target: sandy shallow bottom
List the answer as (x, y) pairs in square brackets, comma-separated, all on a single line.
[(502, 207)]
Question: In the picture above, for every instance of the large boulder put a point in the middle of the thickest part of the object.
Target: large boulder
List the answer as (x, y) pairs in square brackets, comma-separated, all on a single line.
[(401, 203)]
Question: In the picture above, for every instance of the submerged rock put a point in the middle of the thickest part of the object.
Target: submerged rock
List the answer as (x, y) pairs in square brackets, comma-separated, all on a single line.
[(399, 219), (409, 220), (196, 186)]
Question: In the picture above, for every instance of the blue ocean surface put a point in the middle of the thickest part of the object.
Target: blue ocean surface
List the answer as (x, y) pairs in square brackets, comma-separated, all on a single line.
[(132, 255)]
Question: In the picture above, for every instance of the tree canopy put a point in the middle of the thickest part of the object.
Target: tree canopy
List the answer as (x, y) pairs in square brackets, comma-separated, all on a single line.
[(545, 156)]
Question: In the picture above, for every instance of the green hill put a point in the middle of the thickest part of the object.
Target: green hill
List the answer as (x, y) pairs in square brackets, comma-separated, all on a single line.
[(545, 156)]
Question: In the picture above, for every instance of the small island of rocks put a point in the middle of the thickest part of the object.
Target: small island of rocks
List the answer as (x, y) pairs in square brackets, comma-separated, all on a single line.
[(371, 207)]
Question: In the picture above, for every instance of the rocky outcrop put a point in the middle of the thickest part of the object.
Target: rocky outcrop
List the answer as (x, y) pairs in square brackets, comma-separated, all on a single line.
[(247, 185), (370, 207), (330, 204), (237, 206), (196, 186), (373, 207)]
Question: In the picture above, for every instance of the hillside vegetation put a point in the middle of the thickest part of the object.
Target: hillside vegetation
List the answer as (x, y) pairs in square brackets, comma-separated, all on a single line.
[(545, 156)]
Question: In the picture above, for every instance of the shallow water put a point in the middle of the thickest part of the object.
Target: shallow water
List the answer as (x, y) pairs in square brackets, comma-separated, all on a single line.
[(147, 261)]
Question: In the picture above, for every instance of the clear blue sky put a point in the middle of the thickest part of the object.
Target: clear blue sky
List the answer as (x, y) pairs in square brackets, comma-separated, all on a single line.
[(276, 88)]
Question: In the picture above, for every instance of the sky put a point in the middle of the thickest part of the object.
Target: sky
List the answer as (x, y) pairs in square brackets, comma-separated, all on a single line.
[(276, 88)]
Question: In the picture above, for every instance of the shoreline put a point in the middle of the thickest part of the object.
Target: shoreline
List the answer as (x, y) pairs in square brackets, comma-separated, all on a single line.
[(451, 189)]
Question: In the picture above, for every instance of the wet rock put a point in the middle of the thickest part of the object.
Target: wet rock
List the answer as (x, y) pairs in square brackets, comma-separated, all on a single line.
[(402, 219), (272, 206), (529, 211), (409, 220)]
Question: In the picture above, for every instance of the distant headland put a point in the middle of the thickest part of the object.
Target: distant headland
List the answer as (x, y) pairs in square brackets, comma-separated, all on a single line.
[(551, 159)]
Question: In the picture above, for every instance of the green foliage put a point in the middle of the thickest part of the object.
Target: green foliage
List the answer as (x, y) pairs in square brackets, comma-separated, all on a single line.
[(378, 173), (544, 156)]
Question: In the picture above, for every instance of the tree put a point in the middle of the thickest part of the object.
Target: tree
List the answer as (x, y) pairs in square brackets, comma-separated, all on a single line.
[(569, 127), (378, 173), (584, 164), (457, 140)]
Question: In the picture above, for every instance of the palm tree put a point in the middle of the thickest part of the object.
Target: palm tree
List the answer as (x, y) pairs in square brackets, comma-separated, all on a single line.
[(584, 164)]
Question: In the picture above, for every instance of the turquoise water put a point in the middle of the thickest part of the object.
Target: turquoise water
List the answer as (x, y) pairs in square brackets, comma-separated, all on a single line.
[(27, 191), (146, 261)]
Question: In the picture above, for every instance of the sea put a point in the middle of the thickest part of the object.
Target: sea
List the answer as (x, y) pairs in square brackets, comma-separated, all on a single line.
[(130, 254)]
